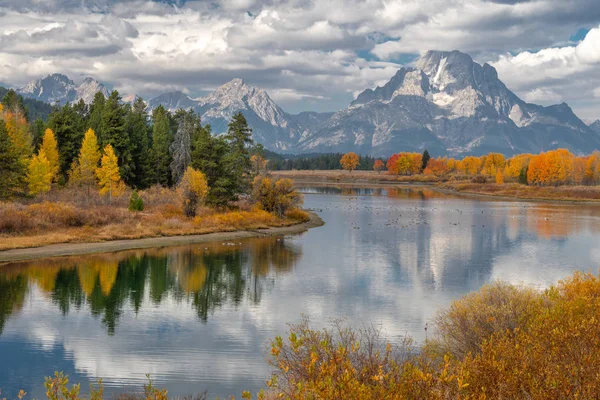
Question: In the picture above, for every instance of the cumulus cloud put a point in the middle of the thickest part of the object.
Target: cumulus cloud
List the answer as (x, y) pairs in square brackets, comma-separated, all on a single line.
[(308, 53)]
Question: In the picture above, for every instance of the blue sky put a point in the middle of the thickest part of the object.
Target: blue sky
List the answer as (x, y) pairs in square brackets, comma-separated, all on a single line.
[(308, 54)]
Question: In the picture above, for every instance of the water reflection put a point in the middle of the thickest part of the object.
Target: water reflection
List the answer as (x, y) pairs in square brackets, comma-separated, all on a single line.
[(207, 276), (198, 317)]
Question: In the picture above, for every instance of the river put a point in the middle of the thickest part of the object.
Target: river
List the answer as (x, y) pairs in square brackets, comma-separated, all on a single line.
[(200, 317)]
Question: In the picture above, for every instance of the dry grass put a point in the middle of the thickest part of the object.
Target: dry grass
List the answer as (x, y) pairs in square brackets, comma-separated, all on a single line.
[(341, 176), (515, 190), (48, 222)]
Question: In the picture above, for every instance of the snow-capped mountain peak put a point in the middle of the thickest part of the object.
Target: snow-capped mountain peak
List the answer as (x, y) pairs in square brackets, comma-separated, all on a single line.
[(59, 89)]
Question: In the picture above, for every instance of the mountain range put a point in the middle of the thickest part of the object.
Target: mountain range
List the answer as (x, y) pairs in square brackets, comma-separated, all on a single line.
[(446, 103)]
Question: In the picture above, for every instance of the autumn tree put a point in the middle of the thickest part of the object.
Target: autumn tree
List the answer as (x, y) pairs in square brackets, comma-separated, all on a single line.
[(108, 174), (259, 164), (436, 166), (84, 169), (378, 166), (193, 189), (515, 165), (12, 172), (499, 177), (405, 164), (470, 165), (275, 196), (493, 162), (18, 131), (39, 174), (350, 161), (50, 147)]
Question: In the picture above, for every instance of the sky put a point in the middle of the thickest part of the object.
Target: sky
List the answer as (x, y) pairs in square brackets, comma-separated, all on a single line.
[(308, 54)]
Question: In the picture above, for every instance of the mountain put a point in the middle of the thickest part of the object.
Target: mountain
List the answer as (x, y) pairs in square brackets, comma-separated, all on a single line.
[(595, 126), (452, 105), (446, 103), (59, 89), (271, 126)]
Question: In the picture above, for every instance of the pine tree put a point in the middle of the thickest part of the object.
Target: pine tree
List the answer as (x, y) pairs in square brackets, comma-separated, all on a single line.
[(84, 170), (37, 130), (12, 172), (39, 174), (208, 154), (139, 132), (66, 125), (161, 142), (237, 162), (181, 148), (425, 158), (95, 116), (114, 132), (108, 174), (50, 147), (13, 102)]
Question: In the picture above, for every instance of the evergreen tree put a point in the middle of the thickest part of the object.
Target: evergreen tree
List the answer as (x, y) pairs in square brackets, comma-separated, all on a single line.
[(139, 132), (95, 115), (208, 154), (39, 174), (181, 148), (425, 158), (237, 162), (14, 103), (161, 142), (66, 125), (12, 172), (37, 130), (50, 148), (114, 133)]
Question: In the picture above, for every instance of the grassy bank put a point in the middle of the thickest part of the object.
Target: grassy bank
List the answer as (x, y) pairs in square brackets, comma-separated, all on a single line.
[(501, 342), (69, 217), (459, 184), (525, 192)]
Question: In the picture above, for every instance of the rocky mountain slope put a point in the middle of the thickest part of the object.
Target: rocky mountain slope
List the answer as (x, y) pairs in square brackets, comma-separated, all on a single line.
[(446, 103), (59, 89), (449, 105)]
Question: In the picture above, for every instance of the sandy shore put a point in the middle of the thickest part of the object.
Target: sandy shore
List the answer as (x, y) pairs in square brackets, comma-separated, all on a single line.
[(71, 249)]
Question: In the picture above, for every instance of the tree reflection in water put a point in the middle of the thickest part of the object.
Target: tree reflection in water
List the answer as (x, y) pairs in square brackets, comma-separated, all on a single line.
[(208, 276)]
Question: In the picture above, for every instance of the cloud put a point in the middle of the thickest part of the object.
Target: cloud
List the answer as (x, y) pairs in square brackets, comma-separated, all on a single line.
[(328, 50)]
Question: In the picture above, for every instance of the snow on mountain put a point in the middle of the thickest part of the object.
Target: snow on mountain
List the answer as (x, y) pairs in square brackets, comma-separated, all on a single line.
[(59, 89), (447, 104), (451, 105)]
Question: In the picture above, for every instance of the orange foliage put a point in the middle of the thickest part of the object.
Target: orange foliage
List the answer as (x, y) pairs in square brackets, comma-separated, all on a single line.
[(350, 161), (551, 168), (437, 166), (378, 166), (405, 164)]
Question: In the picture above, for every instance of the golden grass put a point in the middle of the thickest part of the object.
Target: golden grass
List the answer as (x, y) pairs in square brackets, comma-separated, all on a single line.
[(518, 191), (341, 176), (39, 224)]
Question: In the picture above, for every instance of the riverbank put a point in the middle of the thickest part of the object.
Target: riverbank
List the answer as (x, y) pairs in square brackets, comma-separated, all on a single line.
[(507, 191), (71, 249)]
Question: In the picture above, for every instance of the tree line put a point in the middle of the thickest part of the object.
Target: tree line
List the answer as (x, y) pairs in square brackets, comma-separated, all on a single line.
[(325, 161), (111, 144), (550, 168)]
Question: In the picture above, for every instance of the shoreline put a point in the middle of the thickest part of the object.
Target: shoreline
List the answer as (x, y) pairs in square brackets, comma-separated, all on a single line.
[(111, 246), (437, 186)]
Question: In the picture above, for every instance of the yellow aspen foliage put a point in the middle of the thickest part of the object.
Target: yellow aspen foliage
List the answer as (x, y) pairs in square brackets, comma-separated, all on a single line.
[(493, 162), (108, 174), (18, 131), (193, 189), (39, 174), (350, 161), (470, 165), (259, 164), (499, 177), (515, 165), (50, 147), (84, 170)]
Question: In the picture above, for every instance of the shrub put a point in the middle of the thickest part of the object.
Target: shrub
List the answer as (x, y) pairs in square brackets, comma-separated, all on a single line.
[(275, 196), (193, 190), (479, 179), (135, 202)]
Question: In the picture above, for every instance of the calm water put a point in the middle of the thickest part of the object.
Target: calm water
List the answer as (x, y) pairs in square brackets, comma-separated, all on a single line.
[(200, 317)]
